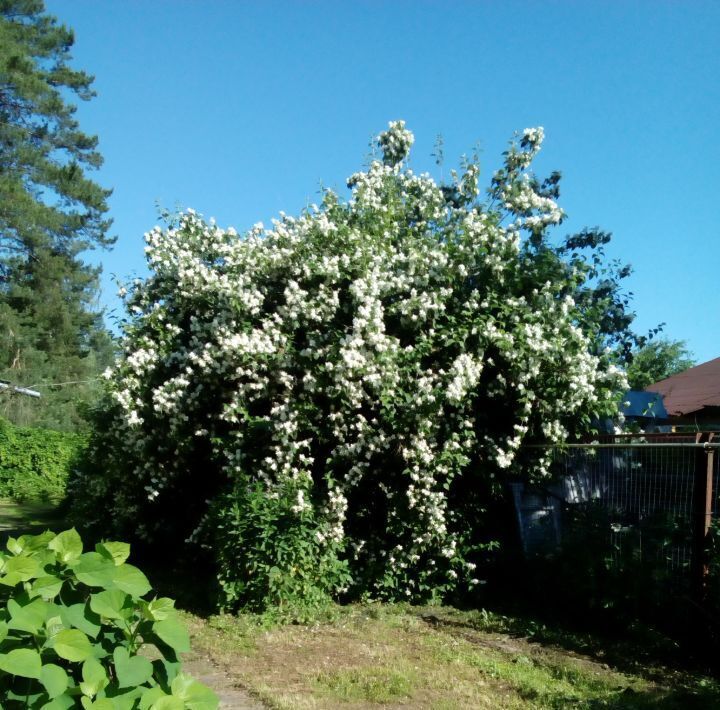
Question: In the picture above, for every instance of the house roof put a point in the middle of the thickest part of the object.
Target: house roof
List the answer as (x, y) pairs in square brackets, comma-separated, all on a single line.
[(691, 390)]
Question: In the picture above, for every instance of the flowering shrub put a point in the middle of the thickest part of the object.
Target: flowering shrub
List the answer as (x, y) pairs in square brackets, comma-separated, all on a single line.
[(71, 626), (358, 378)]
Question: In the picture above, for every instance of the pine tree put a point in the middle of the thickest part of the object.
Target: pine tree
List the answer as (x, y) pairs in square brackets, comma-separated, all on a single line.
[(50, 212)]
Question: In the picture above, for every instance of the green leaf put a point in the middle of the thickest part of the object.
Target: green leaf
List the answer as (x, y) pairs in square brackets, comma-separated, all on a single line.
[(47, 587), (81, 617), (34, 543), (127, 701), (109, 603), (173, 633), (14, 546), (131, 670), (193, 693), (168, 702), (94, 570), (100, 704), (118, 552), (72, 645), (54, 679), (62, 702), (21, 569), (165, 671), (22, 662), (29, 617), (94, 677), (3, 630), (162, 608), (131, 580), (149, 697), (67, 545), (53, 624)]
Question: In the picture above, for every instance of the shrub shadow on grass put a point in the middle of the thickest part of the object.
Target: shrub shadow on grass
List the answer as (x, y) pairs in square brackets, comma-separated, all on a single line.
[(29, 517), (675, 681)]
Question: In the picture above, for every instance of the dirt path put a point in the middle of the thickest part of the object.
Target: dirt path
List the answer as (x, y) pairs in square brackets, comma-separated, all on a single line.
[(232, 697)]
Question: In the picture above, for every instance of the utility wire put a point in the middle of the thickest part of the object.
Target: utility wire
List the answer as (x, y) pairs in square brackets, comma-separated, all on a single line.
[(62, 384)]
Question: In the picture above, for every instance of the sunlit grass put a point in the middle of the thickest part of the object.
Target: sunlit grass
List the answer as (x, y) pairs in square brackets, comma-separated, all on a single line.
[(435, 657)]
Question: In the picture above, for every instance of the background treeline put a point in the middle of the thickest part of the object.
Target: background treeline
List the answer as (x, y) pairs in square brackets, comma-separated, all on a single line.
[(35, 463)]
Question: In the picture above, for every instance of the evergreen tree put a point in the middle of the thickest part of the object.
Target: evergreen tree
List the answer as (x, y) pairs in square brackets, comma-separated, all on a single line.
[(51, 329)]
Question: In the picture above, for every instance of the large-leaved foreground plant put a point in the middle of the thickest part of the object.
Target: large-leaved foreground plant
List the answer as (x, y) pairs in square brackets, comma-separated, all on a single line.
[(328, 404), (72, 624)]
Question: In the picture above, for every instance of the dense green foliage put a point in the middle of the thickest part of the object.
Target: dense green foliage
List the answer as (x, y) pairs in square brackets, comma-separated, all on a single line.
[(71, 627), (35, 463), (657, 360), (330, 404), (50, 211), (267, 561)]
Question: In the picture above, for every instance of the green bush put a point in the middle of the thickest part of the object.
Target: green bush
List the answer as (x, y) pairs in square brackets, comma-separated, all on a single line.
[(35, 463), (71, 626), (271, 560)]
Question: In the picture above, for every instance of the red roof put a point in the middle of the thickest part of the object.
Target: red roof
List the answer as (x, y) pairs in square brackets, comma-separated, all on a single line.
[(691, 390)]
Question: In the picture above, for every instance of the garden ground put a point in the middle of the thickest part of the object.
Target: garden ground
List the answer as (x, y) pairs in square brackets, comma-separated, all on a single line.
[(398, 656)]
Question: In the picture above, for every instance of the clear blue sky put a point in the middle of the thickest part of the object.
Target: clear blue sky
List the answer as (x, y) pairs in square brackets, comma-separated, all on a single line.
[(241, 109)]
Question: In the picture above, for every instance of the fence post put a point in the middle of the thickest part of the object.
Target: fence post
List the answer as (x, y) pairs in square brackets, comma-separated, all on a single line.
[(702, 514)]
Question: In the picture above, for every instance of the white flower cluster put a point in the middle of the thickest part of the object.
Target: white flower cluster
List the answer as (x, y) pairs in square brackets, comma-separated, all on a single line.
[(375, 349), (396, 142)]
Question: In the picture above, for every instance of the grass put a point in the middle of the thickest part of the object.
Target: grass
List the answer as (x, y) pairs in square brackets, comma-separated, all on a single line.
[(398, 656), (17, 518)]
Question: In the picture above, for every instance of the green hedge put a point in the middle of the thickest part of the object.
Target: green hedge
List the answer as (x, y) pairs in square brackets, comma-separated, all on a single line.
[(35, 463)]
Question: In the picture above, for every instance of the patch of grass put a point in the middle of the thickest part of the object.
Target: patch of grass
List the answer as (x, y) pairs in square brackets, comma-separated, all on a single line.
[(28, 517), (372, 684), (399, 656)]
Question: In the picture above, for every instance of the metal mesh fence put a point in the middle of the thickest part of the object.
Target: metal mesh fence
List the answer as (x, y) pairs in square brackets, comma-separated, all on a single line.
[(637, 491)]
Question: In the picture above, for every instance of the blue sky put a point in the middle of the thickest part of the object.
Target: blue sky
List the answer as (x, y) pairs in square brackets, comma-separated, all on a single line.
[(241, 109)]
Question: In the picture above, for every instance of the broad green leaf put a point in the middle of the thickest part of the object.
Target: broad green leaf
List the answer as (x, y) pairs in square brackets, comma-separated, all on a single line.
[(21, 569), (53, 624), (127, 701), (173, 633), (47, 587), (118, 552), (34, 543), (109, 603), (67, 545), (62, 702), (81, 617), (193, 693), (3, 630), (131, 670), (169, 702), (149, 697), (54, 679), (94, 677), (162, 608), (131, 580), (23, 662), (72, 645), (165, 671), (100, 704), (13, 545), (94, 570), (29, 617)]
